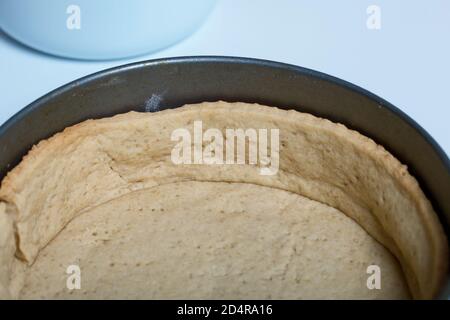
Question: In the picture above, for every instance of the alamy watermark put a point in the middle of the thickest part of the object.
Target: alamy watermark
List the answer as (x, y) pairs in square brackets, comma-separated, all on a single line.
[(73, 281), (373, 21), (374, 280), (238, 146), (73, 21)]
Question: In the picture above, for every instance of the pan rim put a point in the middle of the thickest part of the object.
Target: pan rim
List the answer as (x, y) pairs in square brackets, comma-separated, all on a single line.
[(234, 60)]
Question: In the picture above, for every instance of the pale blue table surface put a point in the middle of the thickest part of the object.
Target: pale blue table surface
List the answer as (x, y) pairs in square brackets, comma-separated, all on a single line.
[(407, 61)]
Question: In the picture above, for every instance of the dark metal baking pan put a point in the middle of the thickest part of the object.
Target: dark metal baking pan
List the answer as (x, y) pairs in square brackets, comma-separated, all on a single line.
[(169, 83)]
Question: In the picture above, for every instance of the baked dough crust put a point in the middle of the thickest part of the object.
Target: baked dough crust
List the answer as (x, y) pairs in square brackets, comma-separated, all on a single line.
[(214, 240), (96, 161)]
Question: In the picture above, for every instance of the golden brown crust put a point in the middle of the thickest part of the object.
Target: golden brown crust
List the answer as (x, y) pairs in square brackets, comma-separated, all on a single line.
[(213, 253), (401, 219)]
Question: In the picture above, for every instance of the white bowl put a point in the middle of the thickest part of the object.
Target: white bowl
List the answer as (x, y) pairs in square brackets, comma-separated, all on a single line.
[(101, 29)]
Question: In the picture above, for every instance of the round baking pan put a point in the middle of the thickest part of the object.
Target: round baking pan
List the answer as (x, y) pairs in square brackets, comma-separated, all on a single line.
[(169, 83)]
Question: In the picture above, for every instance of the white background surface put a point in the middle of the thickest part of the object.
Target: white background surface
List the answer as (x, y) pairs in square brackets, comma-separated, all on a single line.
[(407, 61)]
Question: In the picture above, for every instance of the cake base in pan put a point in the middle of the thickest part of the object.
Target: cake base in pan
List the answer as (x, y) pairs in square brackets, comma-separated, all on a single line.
[(106, 196)]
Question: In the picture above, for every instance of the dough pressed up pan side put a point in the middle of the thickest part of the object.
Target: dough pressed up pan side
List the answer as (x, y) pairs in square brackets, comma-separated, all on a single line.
[(99, 160)]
